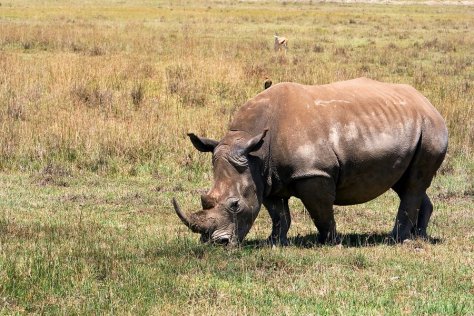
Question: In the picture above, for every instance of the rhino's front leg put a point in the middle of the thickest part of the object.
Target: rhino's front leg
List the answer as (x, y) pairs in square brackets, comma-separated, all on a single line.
[(281, 220), (318, 195)]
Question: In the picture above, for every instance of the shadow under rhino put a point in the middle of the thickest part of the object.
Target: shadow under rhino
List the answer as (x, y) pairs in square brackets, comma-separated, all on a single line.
[(353, 240)]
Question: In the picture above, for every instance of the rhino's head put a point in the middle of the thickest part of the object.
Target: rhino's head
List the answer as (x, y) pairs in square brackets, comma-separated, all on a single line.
[(232, 204)]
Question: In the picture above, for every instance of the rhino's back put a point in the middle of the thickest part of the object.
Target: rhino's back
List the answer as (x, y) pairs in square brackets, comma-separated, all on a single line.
[(361, 132)]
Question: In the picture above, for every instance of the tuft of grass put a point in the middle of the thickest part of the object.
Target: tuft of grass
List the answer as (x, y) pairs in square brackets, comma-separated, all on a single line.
[(137, 94), (359, 261), (185, 83)]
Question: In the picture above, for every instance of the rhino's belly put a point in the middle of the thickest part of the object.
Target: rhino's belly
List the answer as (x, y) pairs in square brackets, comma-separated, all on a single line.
[(363, 181), (358, 194)]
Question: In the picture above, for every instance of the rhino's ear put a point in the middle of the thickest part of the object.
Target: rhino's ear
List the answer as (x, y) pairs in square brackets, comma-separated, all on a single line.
[(203, 144), (254, 143)]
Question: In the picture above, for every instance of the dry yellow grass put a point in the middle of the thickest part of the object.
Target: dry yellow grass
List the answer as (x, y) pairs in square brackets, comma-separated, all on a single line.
[(109, 87)]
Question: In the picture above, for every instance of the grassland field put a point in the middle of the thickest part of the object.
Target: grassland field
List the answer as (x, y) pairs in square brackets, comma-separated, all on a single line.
[(96, 98)]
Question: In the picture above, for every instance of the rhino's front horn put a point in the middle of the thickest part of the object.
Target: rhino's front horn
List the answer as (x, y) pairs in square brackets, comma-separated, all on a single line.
[(183, 217)]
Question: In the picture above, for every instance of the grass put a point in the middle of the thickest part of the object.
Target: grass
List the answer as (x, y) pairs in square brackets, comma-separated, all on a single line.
[(96, 99), (113, 245), (113, 88)]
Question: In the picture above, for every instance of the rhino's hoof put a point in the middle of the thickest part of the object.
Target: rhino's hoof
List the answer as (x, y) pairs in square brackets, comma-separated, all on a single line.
[(419, 233), (278, 241), (329, 240), (400, 238)]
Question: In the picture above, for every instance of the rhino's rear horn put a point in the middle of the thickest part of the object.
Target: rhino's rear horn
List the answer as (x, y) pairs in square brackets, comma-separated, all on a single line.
[(207, 202)]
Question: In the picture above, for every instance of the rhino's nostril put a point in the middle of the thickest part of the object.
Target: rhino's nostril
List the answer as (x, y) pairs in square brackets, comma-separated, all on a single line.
[(222, 241)]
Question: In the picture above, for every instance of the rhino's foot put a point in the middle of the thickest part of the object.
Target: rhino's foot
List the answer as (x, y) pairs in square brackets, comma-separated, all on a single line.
[(278, 241), (331, 240), (414, 233), (329, 237), (419, 233), (400, 237)]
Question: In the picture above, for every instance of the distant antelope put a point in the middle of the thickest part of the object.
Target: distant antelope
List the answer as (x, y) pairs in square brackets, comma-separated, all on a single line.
[(280, 43)]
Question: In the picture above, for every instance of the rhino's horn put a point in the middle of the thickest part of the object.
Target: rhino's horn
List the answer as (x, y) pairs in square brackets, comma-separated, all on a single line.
[(183, 217)]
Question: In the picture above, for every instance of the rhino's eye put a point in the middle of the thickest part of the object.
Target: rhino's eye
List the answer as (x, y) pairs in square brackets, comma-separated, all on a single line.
[(232, 204)]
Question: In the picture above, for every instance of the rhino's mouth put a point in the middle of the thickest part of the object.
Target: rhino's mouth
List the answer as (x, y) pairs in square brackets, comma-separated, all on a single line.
[(222, 241)]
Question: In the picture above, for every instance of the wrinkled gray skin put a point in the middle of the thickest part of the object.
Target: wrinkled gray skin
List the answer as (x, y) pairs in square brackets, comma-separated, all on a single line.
[(337, 144)]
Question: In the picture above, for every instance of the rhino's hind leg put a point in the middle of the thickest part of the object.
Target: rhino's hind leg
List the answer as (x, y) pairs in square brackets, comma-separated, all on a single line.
[(407, 216), (413, 216), (281, 220), (318, 195), (415, 207), (424, 215)]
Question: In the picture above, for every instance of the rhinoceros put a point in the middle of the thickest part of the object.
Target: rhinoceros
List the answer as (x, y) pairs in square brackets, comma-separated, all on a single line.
[(342, 143)]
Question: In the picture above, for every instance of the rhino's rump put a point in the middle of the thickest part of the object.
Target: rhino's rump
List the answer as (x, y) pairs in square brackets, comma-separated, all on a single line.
[(363, 135)]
